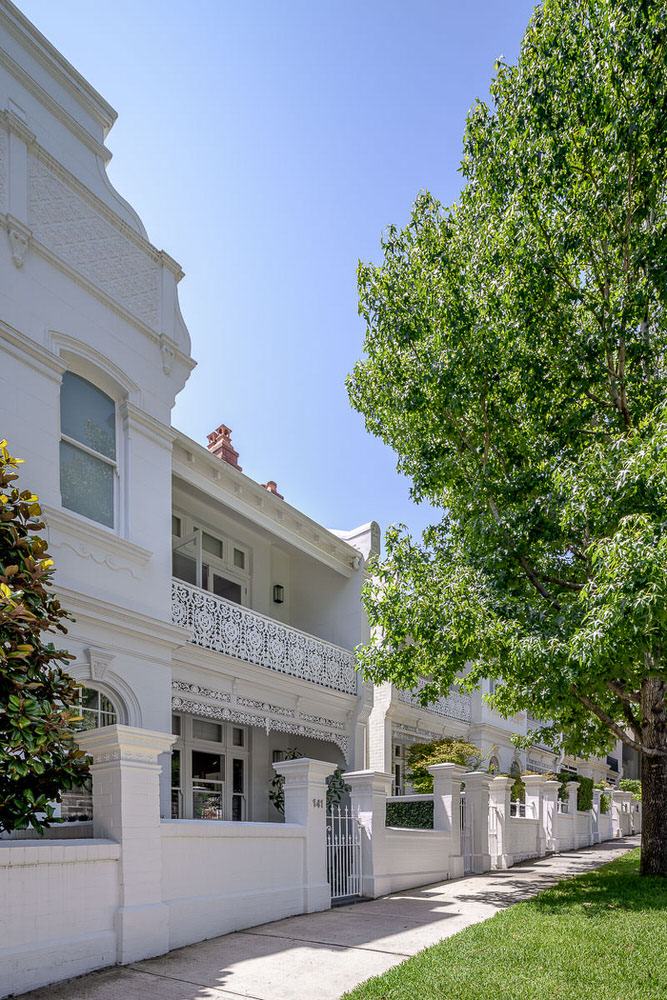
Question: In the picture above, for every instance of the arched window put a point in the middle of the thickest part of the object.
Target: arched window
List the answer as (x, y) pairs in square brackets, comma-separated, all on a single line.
[(88, 466), (96, 709)]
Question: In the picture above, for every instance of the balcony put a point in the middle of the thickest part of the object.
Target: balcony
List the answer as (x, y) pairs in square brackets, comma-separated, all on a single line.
[(452, 706), (229, 628)]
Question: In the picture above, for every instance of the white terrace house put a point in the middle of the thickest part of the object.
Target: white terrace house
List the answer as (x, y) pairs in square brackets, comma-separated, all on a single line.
[(398, 719), (204, 604)]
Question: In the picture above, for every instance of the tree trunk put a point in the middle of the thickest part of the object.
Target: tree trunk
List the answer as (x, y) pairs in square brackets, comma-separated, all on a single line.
[(654, 778)]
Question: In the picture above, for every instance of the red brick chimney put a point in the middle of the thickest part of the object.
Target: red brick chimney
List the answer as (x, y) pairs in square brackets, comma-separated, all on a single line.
[(273, 488), (220, 445)]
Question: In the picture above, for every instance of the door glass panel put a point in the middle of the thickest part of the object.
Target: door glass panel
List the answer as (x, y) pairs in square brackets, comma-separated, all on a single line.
[(238, 788), (238, 774), (184, 568), (176, 806), (226, 588), (207, 785)]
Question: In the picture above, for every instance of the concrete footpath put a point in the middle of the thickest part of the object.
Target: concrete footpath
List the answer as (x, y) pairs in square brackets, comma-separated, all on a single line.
[(321, 955)]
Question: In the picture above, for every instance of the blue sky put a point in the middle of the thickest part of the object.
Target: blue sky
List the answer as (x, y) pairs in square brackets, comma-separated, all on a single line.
[(266, 144)]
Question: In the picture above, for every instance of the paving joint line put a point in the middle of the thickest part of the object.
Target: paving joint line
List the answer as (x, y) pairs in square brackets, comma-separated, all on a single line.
[(190, 982), (328, 944)]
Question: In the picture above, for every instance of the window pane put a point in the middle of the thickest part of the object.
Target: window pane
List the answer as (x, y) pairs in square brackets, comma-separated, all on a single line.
[(238, 784), (237, 737), (176, 725), (86, 484), (212, 545), (184, 568), (207, 766), (88, 415), (175, 768), (239, 558), (90, 698), (226, 588), (175, 525), (203, 730)]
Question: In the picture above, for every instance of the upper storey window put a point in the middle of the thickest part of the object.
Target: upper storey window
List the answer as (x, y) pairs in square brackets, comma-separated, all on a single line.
[(88, 465)]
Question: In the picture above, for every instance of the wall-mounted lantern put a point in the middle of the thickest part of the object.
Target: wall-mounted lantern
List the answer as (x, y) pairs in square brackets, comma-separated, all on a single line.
[(278, 594)]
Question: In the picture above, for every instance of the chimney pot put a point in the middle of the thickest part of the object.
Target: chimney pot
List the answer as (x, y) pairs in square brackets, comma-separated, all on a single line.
[(272, 487), (220, 445)]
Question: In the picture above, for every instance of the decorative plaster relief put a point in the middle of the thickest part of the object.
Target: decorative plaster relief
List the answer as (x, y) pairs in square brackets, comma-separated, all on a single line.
[(19, 241), (71, 227), (95, 555), (203, 692)]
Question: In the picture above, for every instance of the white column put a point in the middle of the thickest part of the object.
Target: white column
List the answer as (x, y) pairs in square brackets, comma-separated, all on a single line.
[(477, 800), (447, 810), (126, 808), (615, 808), (535, 808), (305, 805), (572, 789), (499, 821), (368, 792), (595, 811), (550, 814)]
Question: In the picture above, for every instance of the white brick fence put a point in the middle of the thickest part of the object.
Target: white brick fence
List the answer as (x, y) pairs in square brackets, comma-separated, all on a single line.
[(143, 885)]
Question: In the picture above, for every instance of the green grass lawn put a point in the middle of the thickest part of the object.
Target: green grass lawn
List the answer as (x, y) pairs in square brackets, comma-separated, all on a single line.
[(600, 936)]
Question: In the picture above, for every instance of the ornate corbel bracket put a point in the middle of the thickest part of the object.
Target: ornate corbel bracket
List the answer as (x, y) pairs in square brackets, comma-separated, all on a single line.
[(168, 352), (19, 240), (99, 660)]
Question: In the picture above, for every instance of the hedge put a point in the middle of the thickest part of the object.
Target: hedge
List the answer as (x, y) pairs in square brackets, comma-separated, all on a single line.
[(413, 815)]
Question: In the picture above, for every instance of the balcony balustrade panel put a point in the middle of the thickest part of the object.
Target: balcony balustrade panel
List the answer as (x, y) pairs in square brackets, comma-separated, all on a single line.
[(229, 628)]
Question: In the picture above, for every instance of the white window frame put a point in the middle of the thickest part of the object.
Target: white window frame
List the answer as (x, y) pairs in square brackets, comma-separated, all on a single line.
[(192, 530), (104, 386), (186, 742)]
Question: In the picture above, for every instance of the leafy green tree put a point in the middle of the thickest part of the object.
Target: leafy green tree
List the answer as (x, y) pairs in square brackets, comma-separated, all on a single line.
[(419, 756), (516, 361), (38, 700)]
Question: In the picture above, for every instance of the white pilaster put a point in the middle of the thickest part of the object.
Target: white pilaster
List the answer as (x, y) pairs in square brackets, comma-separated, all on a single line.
[(447, 810), (477, 788), (368, 792), (126, 808), (499, 821), (305, 805), (550, 814), (534, 784)]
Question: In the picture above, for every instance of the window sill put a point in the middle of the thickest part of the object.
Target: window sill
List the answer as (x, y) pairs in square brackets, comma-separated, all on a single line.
[(66, 522)]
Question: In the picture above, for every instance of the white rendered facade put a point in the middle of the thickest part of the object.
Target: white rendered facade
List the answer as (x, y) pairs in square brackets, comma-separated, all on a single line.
[(90, 325)]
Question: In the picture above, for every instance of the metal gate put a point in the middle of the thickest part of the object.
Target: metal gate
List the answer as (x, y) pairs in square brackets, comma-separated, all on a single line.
[(466, 834), (343, 840)]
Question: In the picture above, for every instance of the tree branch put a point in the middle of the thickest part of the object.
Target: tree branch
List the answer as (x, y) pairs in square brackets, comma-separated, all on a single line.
[(615, 728)]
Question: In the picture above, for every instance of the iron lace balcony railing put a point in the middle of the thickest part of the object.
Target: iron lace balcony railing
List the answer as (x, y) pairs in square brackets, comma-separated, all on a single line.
[(454, 705), (229, 628)]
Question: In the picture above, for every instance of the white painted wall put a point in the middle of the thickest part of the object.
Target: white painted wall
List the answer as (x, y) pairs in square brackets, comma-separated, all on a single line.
[(221, 877), (61, 921)]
